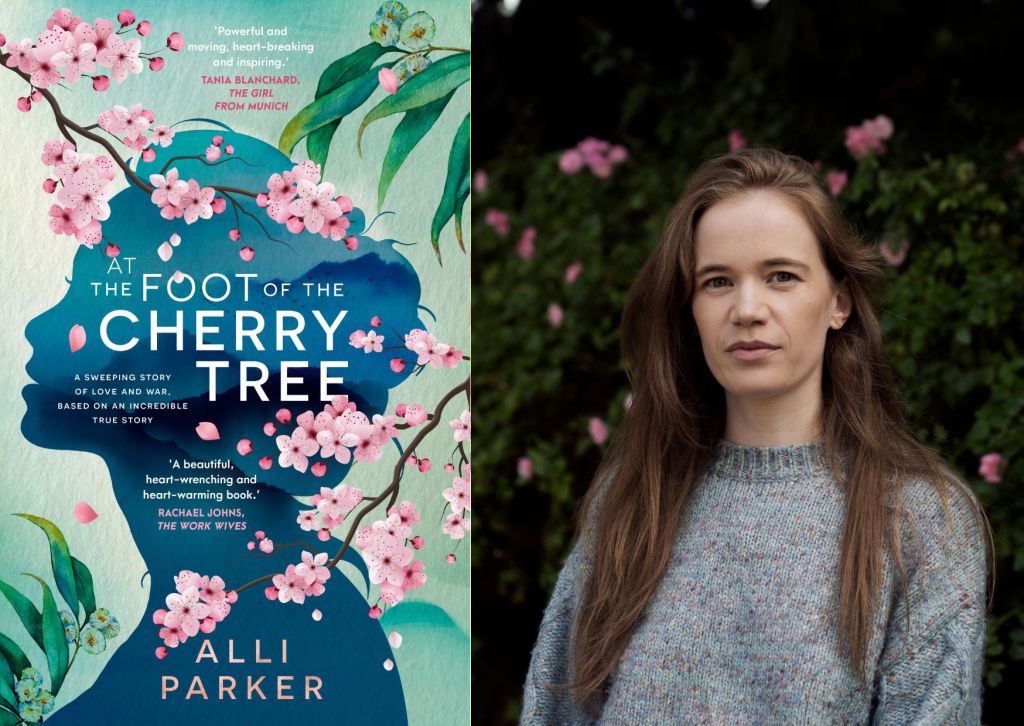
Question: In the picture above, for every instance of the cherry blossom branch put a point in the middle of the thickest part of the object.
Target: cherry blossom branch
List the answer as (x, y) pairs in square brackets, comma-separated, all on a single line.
[(303, 545), (203, 160), (392, 489), (247, 213)]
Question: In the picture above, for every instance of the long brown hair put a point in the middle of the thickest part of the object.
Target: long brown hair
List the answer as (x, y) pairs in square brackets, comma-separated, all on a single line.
[(630, 520)]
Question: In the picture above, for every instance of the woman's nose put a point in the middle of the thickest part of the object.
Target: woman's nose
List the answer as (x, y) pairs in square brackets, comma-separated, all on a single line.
[(748, 305)]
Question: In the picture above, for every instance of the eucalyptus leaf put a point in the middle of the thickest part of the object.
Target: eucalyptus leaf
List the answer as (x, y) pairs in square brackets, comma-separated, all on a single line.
[(83, 583), (27, 613), (60, 559), (54, 644), (435, 81), (14, 655), (458, 164)]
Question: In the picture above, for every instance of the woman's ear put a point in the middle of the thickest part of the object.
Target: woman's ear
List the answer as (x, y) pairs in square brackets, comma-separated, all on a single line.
[(842, 306)]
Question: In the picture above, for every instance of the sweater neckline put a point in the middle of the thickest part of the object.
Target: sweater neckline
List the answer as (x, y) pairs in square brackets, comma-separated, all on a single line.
[(768, 462)]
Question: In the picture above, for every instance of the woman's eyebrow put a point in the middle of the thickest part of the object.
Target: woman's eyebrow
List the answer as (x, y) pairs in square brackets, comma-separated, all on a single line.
[(773, 262)]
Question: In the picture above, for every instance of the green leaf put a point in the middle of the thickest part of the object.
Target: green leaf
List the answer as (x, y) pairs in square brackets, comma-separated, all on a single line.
[(460, 199), (54, 644), (9, 719), (14, 655), (83, 584), (60, 560), (433, 82), (27, 612), (332, 107), (412, 128), (7, 681), (340, 72), (458, 169)]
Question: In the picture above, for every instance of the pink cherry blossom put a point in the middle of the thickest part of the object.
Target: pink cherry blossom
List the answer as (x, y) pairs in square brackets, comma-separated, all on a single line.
[(372, 342), (413, 576), (87, 193), (406, 512), (212, 153), (295, 449), (365, 448), (598, 430), (143, 28), (61, 221), (386, 559), (20, 56), (266, 545), (175, 42), (195, 202), (126, 18), (290, 586), (122, 56), (307, 520), (163, 135), (315, 204), (211, 589), (991, 466), (461, 426), (458, 495), (185, 611), (100, 83), (335, 441), (172, 637), (455, 527), (63, 19), (48, 51), (392, 595), (90, 234), (384, 428), (75, 58), (388, 80), (338, 501), (312, 568), (415, 415), (53, 151), (169, 189), (283, 415)]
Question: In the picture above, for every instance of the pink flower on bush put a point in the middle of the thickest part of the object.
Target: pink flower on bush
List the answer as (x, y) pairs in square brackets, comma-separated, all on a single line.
[(573, 271), (524, 468), (480, 181), (525, 248), (497, 220), (737, 140), (894, 258), (570, 162), (991, 466), (836, 181), (598, 430), (597, 154), (555, 315), (868, 137)]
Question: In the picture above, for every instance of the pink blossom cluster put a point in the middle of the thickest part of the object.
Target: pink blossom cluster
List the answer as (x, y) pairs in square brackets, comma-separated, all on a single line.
[(597, 154), (497, 220), (299, 200), (991, 466), (369, 342), (330, 508), (306, 579), (131, 125), (869, 136), (69, 49), (413, 413), (332, 433), (178, 198), (462, 427), (85, 186), (390, 561), (429, 351), (459, 497), (198, 605)]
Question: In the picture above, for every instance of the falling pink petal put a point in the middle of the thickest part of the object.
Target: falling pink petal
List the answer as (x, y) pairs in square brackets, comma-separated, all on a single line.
[(598, 430), (207, 431), (284, 415), (244, 447), (158, 616), (84, 513), (76, 338), (388, 664), (269, 429), (266, 546), (161, 652), (247, 254), (175, 240), (388, 80), (317, 615), (397, 365), (260, 535), (395, 639), (319, 468), (178, 276), (266, 462), (113, 250), (165, 251)]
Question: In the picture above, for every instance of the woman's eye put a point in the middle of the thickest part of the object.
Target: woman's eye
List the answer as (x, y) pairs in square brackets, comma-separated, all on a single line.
[(791, 277), (783, 272)]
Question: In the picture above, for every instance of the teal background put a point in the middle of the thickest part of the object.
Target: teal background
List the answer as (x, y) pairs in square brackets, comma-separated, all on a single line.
[(433, 660)]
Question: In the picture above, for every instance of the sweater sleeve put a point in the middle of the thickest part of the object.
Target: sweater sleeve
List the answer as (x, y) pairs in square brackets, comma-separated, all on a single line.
[(549, 661), (930, 672)]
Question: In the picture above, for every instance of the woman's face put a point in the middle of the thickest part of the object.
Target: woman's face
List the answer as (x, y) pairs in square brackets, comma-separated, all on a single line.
[(760, 276)]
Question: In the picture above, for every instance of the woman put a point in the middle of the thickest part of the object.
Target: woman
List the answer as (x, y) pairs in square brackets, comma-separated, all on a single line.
[(766, 542)]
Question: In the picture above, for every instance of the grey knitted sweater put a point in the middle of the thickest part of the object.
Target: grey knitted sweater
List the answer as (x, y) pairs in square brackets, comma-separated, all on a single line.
[(743, 626)]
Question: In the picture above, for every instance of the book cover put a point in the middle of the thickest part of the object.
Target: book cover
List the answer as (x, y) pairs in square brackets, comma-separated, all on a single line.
[(236, 348)]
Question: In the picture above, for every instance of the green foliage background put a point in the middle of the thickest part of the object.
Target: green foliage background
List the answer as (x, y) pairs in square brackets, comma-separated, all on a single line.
[(952, 315)]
